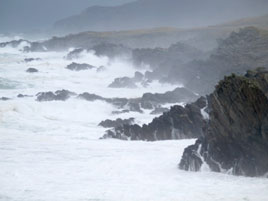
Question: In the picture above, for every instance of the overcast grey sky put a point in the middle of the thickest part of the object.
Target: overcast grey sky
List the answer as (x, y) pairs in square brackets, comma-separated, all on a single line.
[(21, 15)]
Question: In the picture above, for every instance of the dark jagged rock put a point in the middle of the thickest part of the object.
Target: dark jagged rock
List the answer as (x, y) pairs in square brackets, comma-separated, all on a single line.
[(149, 100), (127, 82), (116, 123), (178, 123), (191, 159), (90, 97), (27, 60), (75, 54), (236, 137), (124, 82), (60, 95), (31, 70), (78, 67)]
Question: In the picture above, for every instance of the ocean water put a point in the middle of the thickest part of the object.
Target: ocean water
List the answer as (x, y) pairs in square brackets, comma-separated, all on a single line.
[(50, 151)]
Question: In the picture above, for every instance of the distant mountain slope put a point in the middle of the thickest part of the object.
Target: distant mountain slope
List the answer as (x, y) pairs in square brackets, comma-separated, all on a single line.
[(32, 15), (155, 13)]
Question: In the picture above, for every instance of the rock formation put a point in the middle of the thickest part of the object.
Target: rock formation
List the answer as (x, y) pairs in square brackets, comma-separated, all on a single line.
[(147, 101), (78, 67), (116, 123), (236, 136), (178, 123)]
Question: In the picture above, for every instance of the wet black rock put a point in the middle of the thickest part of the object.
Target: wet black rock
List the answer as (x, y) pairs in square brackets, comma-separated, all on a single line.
[(178, 123), (31, 70), (60, 95), (78, 67), (236, 136), (115, 123)]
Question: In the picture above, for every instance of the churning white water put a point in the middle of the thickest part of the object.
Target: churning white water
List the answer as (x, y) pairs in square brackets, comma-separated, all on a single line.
[(50, 151)]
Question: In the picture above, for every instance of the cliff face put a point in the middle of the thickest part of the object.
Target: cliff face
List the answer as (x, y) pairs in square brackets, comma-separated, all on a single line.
[(236, 136)]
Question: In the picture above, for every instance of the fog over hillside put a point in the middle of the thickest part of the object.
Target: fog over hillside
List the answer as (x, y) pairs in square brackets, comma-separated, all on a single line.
[(155, 13)]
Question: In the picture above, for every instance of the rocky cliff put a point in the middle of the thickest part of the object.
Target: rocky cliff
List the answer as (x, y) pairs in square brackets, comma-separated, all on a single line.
[(236, 136)]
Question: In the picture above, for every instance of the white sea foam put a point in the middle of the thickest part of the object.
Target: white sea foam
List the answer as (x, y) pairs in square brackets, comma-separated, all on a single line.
[(50, 150)]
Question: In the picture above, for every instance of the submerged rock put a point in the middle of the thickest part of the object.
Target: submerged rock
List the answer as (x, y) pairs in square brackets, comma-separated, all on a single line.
[(31, 70), (78, 67), (236, 137)]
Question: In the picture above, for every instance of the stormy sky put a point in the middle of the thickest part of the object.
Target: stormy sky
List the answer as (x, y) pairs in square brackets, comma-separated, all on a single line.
[(27, 15)]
